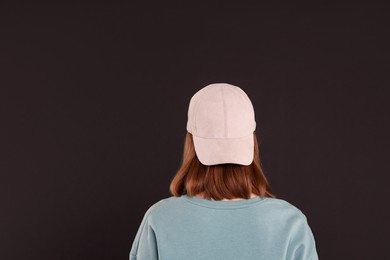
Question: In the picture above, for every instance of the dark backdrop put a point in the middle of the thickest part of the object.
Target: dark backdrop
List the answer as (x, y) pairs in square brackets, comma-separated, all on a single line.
[(93, 106)]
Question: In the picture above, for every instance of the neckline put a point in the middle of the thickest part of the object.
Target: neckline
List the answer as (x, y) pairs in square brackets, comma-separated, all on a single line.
[(223, 203)]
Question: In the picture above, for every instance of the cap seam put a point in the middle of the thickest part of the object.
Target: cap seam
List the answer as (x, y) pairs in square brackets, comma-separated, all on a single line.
[(224, 112)]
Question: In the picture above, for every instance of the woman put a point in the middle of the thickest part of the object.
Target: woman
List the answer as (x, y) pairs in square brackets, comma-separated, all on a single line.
[(222, 205)]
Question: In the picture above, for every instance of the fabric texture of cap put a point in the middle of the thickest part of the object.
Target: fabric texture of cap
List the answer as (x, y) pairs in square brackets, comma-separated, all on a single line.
[(221, 120)]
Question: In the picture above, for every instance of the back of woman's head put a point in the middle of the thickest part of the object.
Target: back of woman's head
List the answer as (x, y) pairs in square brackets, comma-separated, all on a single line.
[(221, 181)]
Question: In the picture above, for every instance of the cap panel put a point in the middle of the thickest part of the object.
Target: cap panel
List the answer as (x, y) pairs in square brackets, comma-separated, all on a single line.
[(191, 127), (210, 115), (192, 109), (240, 115)]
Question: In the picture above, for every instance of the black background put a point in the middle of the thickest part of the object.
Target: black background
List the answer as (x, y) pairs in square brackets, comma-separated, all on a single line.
[(93, 106)]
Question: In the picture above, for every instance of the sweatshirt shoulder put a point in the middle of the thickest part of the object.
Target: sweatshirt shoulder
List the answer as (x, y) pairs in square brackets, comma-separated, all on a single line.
[(162, 205), (280, 205)]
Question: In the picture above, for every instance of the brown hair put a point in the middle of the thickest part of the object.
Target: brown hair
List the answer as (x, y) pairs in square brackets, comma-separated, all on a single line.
[(222, 181)]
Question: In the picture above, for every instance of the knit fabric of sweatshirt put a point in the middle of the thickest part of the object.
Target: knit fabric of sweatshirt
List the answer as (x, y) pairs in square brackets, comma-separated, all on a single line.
[(193, 228)]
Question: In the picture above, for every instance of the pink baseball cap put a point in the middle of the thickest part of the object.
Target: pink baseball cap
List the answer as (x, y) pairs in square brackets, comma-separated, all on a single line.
[(221, 120)]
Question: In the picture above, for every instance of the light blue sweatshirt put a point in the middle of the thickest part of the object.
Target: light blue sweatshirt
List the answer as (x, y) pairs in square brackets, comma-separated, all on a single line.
[(193, 228)]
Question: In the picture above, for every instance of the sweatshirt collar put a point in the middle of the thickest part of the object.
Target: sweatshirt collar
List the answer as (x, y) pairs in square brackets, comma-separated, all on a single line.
[(223, 203)]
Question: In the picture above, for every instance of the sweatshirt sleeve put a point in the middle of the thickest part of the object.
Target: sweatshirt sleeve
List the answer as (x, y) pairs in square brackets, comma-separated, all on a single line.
[(302, 245), (144, 246)]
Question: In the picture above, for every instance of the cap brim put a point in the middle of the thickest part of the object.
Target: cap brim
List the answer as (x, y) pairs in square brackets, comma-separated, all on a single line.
[(212, 151)]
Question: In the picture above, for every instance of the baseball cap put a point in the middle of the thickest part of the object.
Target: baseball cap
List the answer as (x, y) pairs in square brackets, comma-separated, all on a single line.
[(221, 120)]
